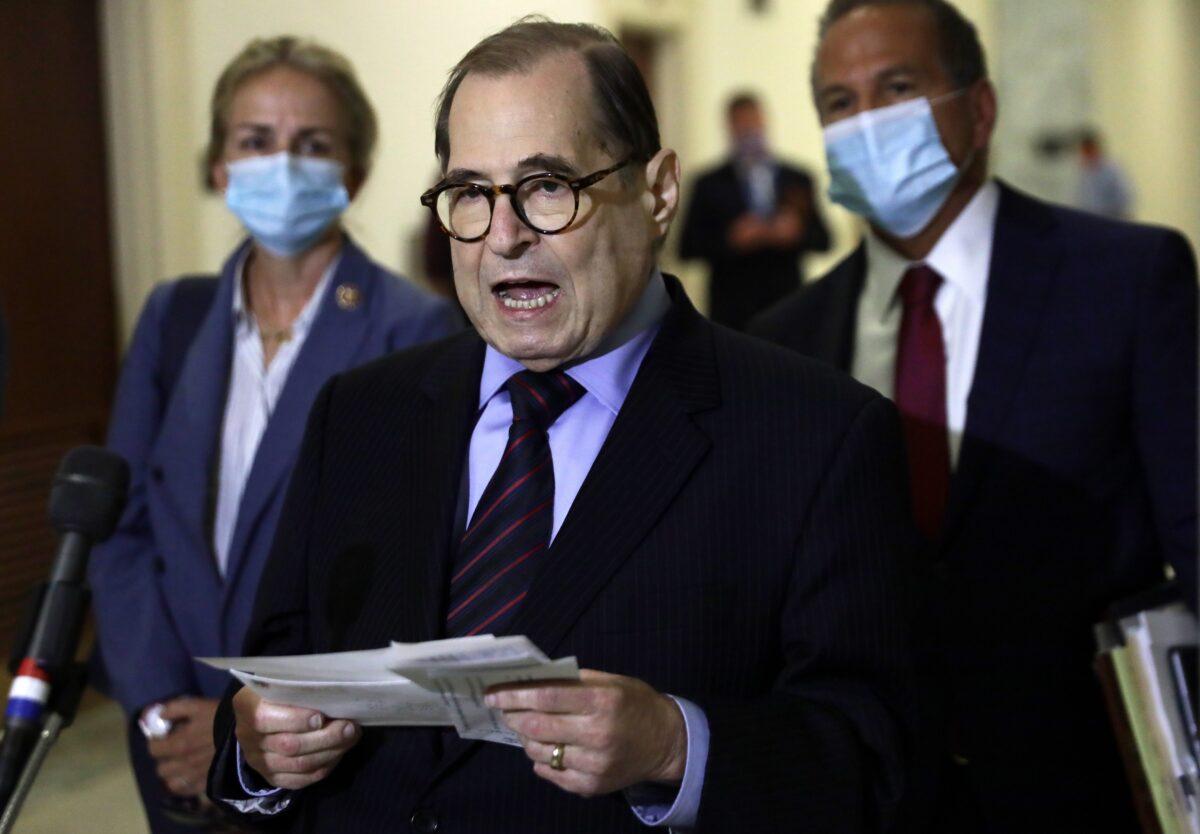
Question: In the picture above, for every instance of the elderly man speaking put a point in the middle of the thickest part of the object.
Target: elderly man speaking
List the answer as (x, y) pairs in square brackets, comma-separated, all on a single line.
[(713, 526)]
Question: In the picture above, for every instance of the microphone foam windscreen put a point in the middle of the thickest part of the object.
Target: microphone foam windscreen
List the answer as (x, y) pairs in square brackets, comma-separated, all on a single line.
[(89, 491)]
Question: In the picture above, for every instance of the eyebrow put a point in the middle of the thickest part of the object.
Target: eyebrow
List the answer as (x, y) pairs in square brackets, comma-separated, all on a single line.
[(462, 175), (550, 163), (829, 89), (891, 72), (882, 76)]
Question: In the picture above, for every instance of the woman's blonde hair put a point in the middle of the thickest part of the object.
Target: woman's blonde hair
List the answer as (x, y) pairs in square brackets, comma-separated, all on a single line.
[(322, 63)]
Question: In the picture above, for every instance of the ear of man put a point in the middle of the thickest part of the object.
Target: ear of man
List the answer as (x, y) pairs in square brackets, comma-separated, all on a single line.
[(662, 190), (984, 108)]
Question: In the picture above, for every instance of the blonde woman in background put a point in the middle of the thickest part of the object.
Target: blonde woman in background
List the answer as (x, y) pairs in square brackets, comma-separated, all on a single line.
[(215, 390)]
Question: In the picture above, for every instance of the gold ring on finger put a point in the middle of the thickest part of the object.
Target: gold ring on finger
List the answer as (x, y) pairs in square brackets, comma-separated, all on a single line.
[(556, 757)]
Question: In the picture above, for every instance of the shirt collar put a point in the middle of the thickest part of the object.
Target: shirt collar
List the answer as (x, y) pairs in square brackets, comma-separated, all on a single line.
[(243, 321), (961, 256), (608, 373), (744, 167)]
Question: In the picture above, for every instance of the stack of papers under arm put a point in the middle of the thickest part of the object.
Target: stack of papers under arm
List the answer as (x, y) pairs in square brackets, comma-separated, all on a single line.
[(431, 684), (1140, 647)]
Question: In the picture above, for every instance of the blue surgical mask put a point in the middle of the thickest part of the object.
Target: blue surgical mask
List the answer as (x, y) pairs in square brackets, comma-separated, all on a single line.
[(286, 202), (889, 165)]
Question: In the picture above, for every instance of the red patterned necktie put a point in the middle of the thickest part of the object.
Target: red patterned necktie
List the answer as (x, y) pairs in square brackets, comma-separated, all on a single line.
[(921, 397), (510, 528)]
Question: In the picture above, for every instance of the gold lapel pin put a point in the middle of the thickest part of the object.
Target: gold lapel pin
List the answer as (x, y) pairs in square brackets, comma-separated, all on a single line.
[(348, 296)]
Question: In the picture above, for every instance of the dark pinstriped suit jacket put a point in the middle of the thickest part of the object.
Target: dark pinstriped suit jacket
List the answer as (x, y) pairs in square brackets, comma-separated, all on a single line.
[(737, 542), (1075, 483)]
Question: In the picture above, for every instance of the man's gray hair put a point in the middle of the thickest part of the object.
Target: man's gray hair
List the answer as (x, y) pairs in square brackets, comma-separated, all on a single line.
[(626, 123)]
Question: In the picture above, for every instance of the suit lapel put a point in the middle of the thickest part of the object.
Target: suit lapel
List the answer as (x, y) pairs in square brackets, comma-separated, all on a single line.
[(735, 193), (1025, 261), (332, 343), (832, 339), (452, 390), (649, 454), (186, 447), (652, 449)]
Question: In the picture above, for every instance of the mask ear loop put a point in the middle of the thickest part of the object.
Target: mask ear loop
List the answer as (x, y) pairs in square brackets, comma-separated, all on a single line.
[(968, 162), (944, 97)]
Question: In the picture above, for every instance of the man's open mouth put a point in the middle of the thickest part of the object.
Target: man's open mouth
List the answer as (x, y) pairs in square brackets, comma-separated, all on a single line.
[(526, 295)]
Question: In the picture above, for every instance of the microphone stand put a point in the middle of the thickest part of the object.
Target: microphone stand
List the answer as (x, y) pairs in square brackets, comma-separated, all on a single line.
[(86, 499), (60, 713)]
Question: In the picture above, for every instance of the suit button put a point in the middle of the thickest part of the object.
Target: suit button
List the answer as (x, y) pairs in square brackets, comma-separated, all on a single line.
[(424, 822), (157, 474)]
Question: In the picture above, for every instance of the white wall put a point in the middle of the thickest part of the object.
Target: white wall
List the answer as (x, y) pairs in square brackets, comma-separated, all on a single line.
[(1146, 68)]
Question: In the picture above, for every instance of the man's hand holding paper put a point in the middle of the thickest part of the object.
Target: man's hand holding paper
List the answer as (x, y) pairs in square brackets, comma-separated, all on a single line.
[(290, 747), (613, 731), (297, 716)]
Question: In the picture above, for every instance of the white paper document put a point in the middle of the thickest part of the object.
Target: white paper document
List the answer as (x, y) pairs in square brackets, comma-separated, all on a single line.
[(436, 683), (461, 691), (389, 703)]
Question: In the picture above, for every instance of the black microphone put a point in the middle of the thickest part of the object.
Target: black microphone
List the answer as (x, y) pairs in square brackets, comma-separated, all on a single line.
[(86, 500)]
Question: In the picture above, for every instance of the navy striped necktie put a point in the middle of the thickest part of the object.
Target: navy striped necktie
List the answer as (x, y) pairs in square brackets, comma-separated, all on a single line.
[(510, 528)]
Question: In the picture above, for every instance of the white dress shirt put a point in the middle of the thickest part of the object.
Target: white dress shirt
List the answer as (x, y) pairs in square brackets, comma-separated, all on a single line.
[(759, 181), (962, 257), (254, 388)]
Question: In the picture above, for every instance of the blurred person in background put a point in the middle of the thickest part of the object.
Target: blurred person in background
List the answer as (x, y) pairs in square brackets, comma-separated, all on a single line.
[(751, 219), (1103, 187), (214, 395), (1044, 364)]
